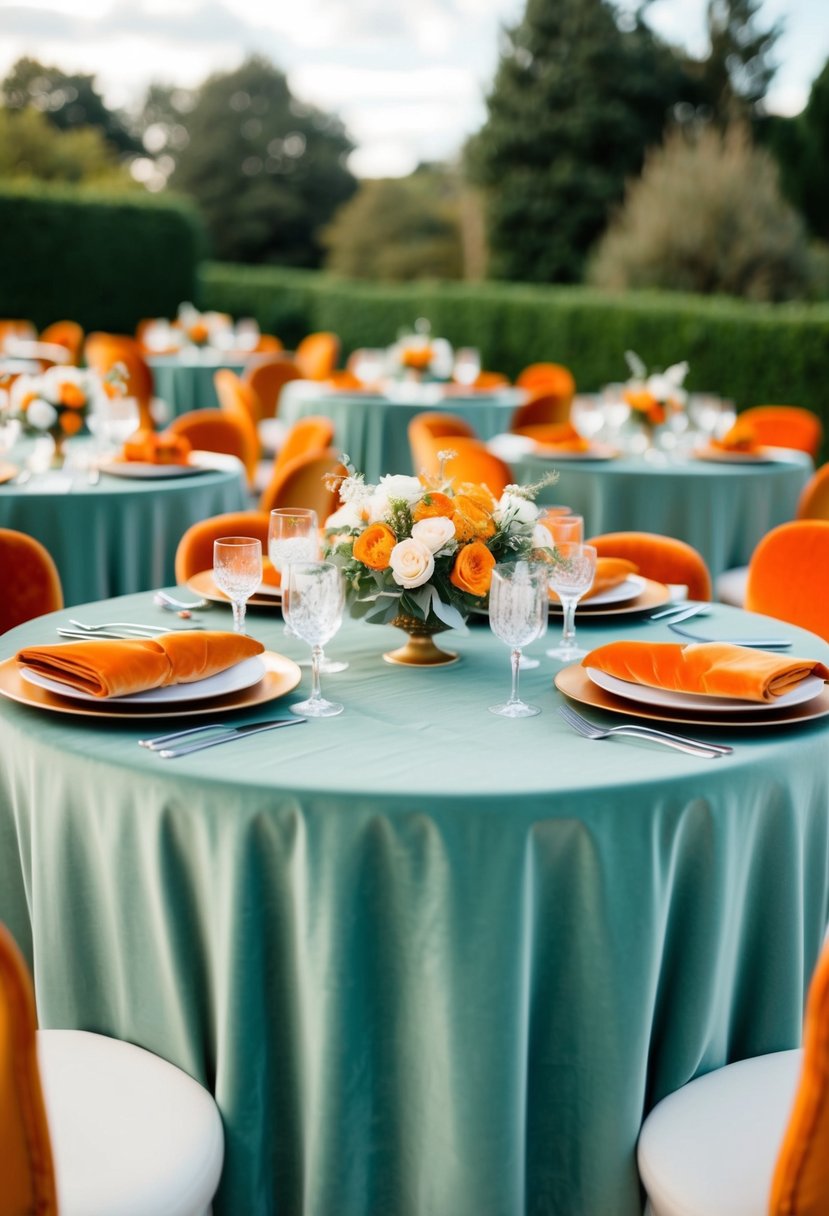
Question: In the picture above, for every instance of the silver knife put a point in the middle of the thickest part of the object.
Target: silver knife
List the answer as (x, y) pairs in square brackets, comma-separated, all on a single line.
[(238, 732), (680, 612), (757, 643)]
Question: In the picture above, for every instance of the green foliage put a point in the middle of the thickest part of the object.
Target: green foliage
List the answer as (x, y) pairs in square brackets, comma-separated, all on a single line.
[(707, 216), (69, 101), (104, 261), (32, 147), (396, 229), (801, 146), (738, 70), (266, 170), (752, 353), (576, 102)]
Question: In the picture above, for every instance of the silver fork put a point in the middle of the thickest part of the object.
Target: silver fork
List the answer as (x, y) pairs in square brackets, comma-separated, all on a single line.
[(693, 747), (131, 626)]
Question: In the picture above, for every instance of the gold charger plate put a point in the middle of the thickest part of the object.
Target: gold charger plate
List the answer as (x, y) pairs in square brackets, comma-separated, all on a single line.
[(575, 683), (7, 471), (204, 585), (281, 676), (652, 595)]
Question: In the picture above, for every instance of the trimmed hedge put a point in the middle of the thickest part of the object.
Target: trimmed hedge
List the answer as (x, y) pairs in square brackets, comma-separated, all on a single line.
[(755, 354), (105, 261)]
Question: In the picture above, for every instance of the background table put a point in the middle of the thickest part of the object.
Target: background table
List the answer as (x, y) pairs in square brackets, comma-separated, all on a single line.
[(429, 960), (723, 510), (119, 535), (185, 383), (373, 429)]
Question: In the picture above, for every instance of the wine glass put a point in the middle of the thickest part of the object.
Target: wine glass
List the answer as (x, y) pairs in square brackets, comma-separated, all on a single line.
[(237, 570), (313, 601), (293, 536), (570, 575), (586, 415), (114, 420), (467, 366), (565, 528), (518, 608)]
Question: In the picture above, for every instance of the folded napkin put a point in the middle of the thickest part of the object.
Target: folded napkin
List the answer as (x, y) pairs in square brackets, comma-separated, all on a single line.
[(741, 438), (610, 572), (270, 574), (118, 668), (151, 447), (714, 669)]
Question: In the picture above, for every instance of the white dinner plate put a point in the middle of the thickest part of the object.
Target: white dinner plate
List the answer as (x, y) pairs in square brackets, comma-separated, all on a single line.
[(632, 586), (268, 589), (197, 462), (233, 679), (665, 698), (597, 451), (763, 455)]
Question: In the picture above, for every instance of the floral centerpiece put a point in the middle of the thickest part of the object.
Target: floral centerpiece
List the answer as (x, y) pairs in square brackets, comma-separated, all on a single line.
[(652, 397), (417, 355), (58, 401), (420, 556)]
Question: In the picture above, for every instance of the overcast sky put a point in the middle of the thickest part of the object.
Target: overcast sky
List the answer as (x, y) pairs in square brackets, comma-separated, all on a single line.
[(407, 78)]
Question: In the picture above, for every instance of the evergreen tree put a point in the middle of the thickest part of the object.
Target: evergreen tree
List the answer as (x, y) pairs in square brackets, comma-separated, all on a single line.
[(576, 102)]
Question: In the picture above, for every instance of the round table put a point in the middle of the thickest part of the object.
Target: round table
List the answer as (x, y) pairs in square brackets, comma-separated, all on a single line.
[(185, 382), (119, 534), (723, 510), (373, 429), (429, 960)]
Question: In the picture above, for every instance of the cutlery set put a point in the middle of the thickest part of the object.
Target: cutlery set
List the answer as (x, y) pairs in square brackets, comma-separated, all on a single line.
[(680, 743), (122, 630), (181, 743)]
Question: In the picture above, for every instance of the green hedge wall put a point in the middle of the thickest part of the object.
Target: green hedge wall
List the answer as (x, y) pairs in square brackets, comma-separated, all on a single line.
[(754, 354), (104, 261)]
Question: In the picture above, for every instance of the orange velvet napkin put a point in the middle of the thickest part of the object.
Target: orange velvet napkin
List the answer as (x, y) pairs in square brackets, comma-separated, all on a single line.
[(117, 668), (162, 447), (610, 572), (741, 438), (715, 669), (270, 574)]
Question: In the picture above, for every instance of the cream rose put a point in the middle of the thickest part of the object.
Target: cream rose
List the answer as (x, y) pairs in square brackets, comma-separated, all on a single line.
[(542, 537), (516, 509), (412, 563), (400, 486), (41, 414), (434, 532), (348, 515)]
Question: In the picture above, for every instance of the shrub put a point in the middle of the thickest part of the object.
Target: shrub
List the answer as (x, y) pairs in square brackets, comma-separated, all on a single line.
[(104, 261)]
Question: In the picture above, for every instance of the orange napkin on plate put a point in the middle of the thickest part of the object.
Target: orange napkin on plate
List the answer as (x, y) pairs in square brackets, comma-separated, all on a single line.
[(715, 669), (118, 668), (610, 572), (151, 447), (270, 574), (741, 438)]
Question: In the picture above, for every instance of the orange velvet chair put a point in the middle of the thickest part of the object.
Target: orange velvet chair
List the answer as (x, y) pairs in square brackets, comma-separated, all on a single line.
[(487, 380), (31, 583), (553, 379), (268, 344), (814, 499), (195, 549), (788, 575), (430, 425), (267, 375), (472, 462), (302, 483), (102, 351), (662, 558), (238, 401), (785, 426), (316, 355), (219, 431), (308, 436), (67, 334), (545, 418)]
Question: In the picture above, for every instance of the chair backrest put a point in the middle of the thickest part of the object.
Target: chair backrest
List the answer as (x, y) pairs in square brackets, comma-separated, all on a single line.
[(814, 500), (662, 558), (67, 334), (27, 1179), (102, 351), (548, 378), (316, 355), (486, 380), (788, 575), (785, 426), (31, 583), (267, 375), (303, 483), (195, 549), (430, 425), (311, 434), (472, 462), (238, 400), (543, 410), (800, 1183), (218, 431)]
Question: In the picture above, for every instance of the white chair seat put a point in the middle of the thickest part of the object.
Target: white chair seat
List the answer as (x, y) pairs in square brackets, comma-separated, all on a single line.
[(710, 1148), (131, 1134), (730, 586)]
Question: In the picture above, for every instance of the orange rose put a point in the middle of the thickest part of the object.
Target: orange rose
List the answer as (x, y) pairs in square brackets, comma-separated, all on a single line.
[(472, 571), (432, 505), (472, 520), (417, 358), (198, 332), (645, 403), (373, 546), (70, 423), (72, 395), (477, 493)]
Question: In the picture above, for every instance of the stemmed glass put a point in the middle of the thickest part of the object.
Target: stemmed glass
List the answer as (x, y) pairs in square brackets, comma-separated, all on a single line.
[(313, 601), (518, 616), (237, 570), (570, 575), (467, 366), (565, 528), (293, 536)]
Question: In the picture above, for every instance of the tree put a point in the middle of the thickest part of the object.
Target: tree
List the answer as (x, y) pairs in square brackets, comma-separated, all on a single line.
[(397, 229), (575, 103), (267, 170), (68, 101), (737, 72), (31, 147), (801, 146), (707, 216)]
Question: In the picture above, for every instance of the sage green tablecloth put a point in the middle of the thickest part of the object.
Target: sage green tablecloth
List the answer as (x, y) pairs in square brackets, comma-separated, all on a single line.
[(119, 535), (186, 383), (723, 510), (430, 961), (373, 429)]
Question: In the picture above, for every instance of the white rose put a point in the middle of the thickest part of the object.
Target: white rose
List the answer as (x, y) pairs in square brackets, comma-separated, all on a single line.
[(41, 414), (377, 507), (434, 533), (398, 485), (542, 537), (515, 508), (411, 563), (349, 515)]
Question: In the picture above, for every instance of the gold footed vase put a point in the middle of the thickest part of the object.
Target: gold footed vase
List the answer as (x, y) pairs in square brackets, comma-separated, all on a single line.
[(58, 459), (420, 650)]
